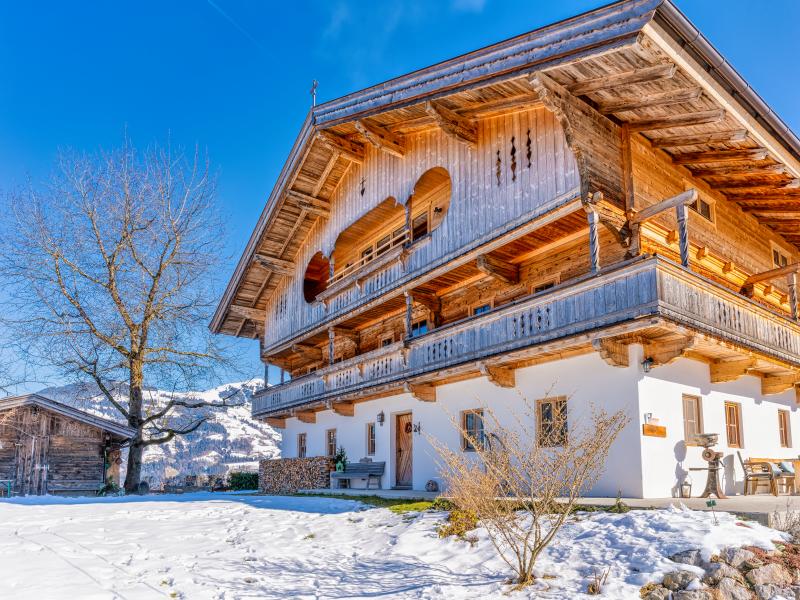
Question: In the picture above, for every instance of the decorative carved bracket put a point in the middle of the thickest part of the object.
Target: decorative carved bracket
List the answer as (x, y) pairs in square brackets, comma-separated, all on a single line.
[(612, 351), (276, 422), (306, 416), (730, 370), (500, 376), (422, 392), (275, 264), (776, 384), (499, 269), (346, 409), (351, 150), (462, 129), (382, 138)]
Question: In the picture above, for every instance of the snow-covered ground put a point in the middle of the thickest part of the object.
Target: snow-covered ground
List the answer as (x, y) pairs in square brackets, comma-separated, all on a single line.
[(226, 546)]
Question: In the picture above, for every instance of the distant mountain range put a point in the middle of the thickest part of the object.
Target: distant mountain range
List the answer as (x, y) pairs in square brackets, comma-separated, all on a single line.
[(229, 440)]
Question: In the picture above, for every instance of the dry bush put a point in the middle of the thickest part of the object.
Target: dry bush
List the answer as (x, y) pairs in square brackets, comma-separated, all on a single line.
[(522, 486)]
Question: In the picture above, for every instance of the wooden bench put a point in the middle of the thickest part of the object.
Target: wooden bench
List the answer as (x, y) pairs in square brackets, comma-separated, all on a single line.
[(63, 486), (361, 470), (758, 471)]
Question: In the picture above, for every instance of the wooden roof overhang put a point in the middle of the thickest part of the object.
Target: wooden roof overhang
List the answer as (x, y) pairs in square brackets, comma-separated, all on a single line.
[(640, 63), (116, 430)]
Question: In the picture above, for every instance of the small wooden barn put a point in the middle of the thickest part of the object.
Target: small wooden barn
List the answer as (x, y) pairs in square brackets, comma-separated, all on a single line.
[(47, 447)]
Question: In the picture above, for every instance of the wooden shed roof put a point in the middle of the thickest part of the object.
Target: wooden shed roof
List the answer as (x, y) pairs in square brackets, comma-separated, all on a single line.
[(639, 62), (118, 431)]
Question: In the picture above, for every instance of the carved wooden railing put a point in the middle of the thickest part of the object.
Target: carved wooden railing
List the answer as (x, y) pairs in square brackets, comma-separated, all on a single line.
[(650, 287)]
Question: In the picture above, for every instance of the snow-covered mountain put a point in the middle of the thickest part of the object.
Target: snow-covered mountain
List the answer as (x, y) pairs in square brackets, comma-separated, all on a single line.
[(229, 440)]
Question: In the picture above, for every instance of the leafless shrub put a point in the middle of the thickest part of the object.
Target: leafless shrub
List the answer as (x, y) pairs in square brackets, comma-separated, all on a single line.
[(521, 483), (595, 587), (787, 520)]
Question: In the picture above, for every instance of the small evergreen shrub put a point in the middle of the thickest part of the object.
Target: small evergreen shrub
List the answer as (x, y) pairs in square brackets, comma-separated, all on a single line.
[(459, 523), (243, 480)]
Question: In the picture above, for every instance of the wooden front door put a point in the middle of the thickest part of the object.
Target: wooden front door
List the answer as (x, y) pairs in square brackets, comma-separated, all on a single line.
[(403, 450)]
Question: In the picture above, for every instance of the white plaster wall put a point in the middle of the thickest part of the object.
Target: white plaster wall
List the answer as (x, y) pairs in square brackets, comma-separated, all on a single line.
[(587, 381), (667, 460)]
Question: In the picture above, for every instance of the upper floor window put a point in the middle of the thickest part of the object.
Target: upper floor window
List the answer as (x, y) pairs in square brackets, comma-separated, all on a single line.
[(703, 208), (419, 328), (301, 445), (480, 309), (543, 286), (779, 259)]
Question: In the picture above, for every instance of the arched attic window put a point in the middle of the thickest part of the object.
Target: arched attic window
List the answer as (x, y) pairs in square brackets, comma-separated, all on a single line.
[(372, 235), (429, 202), (315, 280)]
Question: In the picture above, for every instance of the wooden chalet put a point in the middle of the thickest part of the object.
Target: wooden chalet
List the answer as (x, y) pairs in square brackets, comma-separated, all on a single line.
[(604, 196), (47, 447)]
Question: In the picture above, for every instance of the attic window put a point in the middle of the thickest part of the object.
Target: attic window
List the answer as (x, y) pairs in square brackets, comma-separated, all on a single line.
[(702, 208), (779, 259)]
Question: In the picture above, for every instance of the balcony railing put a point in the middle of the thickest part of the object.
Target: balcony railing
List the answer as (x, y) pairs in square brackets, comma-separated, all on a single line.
[(647, 288)]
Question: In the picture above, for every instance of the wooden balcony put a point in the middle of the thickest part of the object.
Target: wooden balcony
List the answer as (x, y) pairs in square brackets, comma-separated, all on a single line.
[(621, 300)]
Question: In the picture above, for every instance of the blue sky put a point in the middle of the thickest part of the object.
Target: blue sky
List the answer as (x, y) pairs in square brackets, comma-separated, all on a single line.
[(233, 76)]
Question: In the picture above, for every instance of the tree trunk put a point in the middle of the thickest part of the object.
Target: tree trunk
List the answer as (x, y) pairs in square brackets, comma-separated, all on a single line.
[(134, 472)]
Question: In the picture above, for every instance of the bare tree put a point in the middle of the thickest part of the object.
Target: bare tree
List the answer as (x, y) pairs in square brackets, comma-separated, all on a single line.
[(524, 474), (109, 272)]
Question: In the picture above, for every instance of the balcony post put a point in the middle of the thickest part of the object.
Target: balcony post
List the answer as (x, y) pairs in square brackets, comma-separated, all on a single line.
[(331, 345), (594, 244), (793, 294), (409, 308), (683, 233)]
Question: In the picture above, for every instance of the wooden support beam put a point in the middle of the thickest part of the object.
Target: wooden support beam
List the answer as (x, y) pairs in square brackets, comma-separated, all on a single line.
[(730, 370), (696, 158), (462, 129), (746, 187), (682, 199), (792, 285), (382, 138), (664, 352), (346, 409), (772, 273), (500, 376), (497, 268), (276, 422), (777, 384), (648, 100), (734, 170), (770, 199), (422, 392), (275, 264), (594, 243), (331, 346), (351, 150), (620, 79), (308, 351), (612, 351), (311, 204), (247, 312), (699, 139), (306, 416), (346, 332), (679, 120)]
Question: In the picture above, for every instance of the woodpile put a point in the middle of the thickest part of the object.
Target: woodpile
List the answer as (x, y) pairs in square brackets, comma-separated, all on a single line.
[(288, 475)]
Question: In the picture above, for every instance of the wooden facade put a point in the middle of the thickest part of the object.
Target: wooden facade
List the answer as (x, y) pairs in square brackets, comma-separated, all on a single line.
[(50, 448), (604, 181)]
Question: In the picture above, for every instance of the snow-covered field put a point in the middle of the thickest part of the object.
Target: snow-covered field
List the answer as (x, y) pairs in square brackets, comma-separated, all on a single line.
[(226, 546)]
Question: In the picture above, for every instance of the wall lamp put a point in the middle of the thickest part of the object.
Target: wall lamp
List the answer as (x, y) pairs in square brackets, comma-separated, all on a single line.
[(381, 418), (647, 364)]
